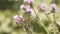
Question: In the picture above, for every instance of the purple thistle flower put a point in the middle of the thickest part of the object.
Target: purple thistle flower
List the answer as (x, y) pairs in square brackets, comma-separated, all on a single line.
[(22, 6), (16, 18), (29, 1), (42, 7), (53, 7), (26, 1), (21, 18), (29, 10)]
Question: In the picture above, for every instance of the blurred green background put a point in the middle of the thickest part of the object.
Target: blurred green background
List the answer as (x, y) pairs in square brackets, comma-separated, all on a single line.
[(9, 8)]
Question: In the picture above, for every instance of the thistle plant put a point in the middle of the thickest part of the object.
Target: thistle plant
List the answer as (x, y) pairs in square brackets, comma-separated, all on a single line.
[(26, 25), (54, 10)]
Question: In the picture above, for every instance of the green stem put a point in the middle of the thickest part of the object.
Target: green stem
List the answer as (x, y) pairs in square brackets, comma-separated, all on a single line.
[(22, 26), (29, 27), (42, 23), (36, 14), (54, 32), (48, 17), (44, 27), (31, 31), (54, 18), (54, 22), (24, 29)]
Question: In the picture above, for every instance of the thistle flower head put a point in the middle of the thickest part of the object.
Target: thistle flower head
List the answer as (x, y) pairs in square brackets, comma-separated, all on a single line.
[(16, 18), (26, 1), (22, 6), (29, 10), (53, 6), (42, 7), (29, 1), (21, 18)]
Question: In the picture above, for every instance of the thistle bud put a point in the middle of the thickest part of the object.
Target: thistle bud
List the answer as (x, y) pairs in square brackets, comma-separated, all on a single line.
[(26, 1), (29, 1), (29, 10), (53, 7), (21, 18), (42, 7), (22, 6), (16, 18)]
